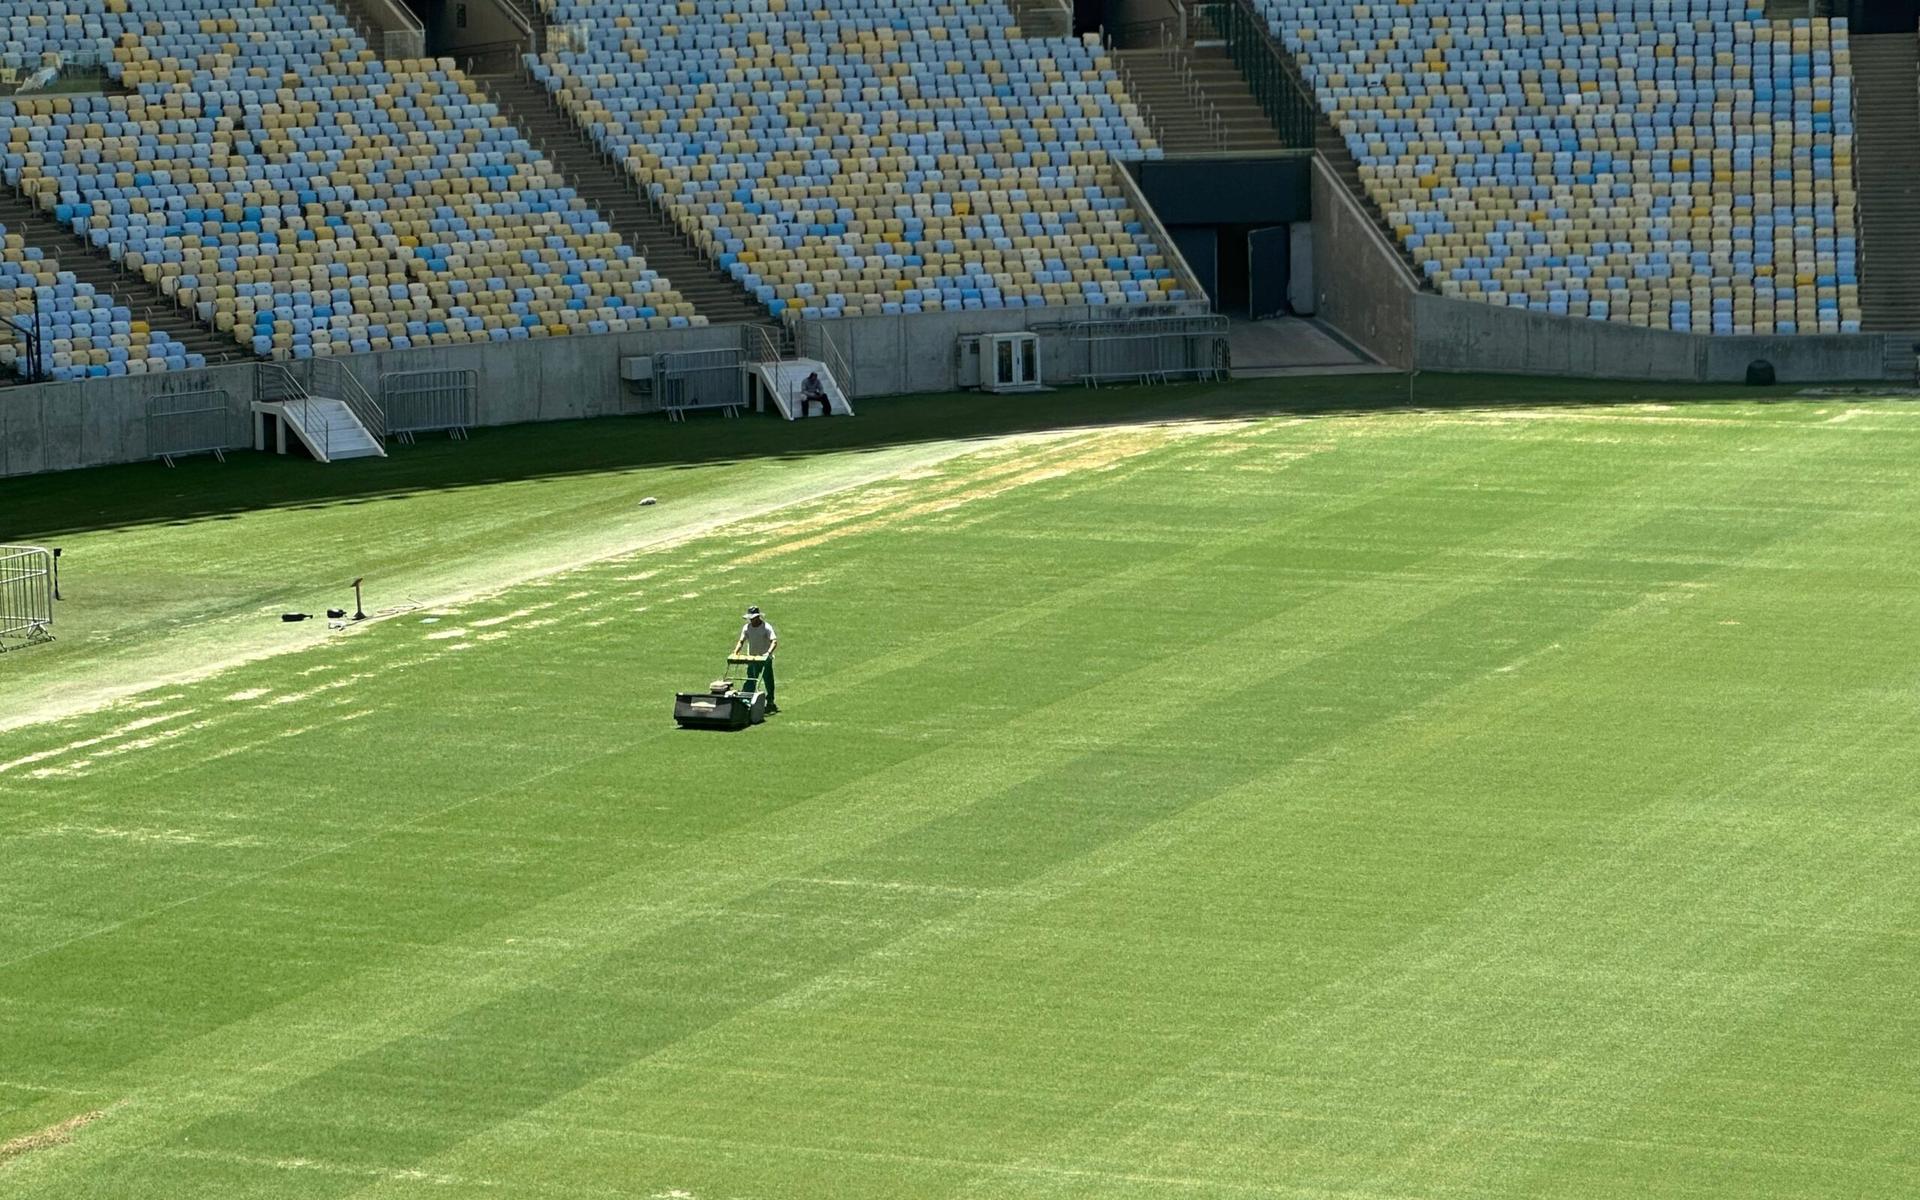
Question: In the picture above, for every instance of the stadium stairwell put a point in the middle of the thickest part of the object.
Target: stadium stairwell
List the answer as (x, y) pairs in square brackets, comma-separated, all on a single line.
[(1887, 170), (1042, 18), (87, 265), (619, 201), (1217, 28), (1198, 100)]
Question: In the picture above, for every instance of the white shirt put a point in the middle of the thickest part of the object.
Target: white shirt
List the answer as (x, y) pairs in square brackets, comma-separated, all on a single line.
[(759, 638)]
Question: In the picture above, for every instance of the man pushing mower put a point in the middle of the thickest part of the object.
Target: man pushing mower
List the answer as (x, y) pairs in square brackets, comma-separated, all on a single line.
[(758, 639)]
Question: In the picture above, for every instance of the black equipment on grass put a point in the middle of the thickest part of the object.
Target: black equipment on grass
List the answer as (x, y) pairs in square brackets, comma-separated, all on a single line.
[(723, 705)]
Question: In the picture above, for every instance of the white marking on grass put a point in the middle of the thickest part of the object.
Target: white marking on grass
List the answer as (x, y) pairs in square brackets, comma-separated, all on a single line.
[(444, 634), (126, 730), (249, 694), (515, 615), (158, 837)]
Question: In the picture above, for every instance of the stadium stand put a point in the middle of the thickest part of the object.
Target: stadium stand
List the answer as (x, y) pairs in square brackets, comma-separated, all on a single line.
[(284, 185), (876, 157), (1680, 164), (81, 334)]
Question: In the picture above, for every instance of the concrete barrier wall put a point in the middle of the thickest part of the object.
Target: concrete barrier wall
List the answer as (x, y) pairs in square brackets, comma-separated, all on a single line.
[(546, 379), (1361, 285), (62, 426), (1451, 334), (897, 356)]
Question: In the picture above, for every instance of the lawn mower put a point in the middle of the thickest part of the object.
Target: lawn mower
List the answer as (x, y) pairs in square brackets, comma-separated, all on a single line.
[(723, 705)]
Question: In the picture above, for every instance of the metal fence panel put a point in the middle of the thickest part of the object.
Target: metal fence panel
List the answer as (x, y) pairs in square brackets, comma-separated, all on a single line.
[(430, 401), (197, 422), (691, 379), (26, 594), (1151, 349)]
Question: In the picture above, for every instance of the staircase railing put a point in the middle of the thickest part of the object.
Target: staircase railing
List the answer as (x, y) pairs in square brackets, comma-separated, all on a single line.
[(837, 364), (25, 329), (522, 22), (274, 384), (761, 348), (1181, 67), (1057, 14), (402, 35), (1252, 48), (1145, 110), (332, 378)]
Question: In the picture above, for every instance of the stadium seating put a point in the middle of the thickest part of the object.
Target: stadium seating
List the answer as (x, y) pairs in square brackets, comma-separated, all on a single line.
[(289, 188), (872, 156), (81, 334), (1680, 164)]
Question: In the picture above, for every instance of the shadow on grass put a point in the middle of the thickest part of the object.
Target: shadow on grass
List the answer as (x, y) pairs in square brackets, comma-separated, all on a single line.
[(43, 507)]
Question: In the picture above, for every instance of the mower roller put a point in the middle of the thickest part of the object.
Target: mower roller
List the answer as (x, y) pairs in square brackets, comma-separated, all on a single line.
[(723, 705)]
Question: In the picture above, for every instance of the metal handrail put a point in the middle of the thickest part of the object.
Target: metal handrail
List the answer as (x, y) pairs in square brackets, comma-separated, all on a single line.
[(767, 350), (1251, 46), (836, 361), (1182, 70), (355, 396), (519, 19), (274, 384), (1133, 92)]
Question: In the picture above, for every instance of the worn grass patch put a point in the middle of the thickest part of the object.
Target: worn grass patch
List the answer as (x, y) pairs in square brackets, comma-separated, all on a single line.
[(40, 1139)]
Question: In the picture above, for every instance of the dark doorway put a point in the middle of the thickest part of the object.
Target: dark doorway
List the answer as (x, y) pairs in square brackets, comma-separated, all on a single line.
[(1269, 266), (1230, 296)]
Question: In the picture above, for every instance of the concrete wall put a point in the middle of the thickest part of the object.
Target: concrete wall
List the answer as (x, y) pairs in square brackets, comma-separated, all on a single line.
[(1125, 20), (1362, 286), (62, 426), (546, 379), (894, 356), (1466, 335)]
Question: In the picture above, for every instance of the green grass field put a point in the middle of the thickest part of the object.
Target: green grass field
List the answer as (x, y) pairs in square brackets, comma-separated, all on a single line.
[(1210, 792)]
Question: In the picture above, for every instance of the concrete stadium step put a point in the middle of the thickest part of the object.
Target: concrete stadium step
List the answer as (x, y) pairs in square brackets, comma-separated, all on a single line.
[(143, 301), (1198, 101), (329, 429), (618, 200), (1043, 18), (1887, 177), (1902, 356)]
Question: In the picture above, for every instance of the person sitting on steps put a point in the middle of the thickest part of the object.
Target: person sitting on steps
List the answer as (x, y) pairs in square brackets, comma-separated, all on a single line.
[(813, 392)]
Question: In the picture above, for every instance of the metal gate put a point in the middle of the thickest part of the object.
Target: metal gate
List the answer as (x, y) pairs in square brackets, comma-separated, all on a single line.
[(430, 402)]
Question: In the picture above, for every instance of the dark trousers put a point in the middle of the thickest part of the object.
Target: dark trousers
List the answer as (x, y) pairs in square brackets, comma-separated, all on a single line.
[(812, 398), (759, 675)]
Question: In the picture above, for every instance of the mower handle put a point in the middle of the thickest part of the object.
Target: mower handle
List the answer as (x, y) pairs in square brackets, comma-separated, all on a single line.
[(747, 658)]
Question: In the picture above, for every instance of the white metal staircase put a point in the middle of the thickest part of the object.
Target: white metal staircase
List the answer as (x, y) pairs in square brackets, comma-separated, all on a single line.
[(333, 428), (780, 371), (785, 383)]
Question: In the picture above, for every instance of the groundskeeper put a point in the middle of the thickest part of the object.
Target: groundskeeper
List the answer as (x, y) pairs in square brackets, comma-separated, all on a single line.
[(758, 639)]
